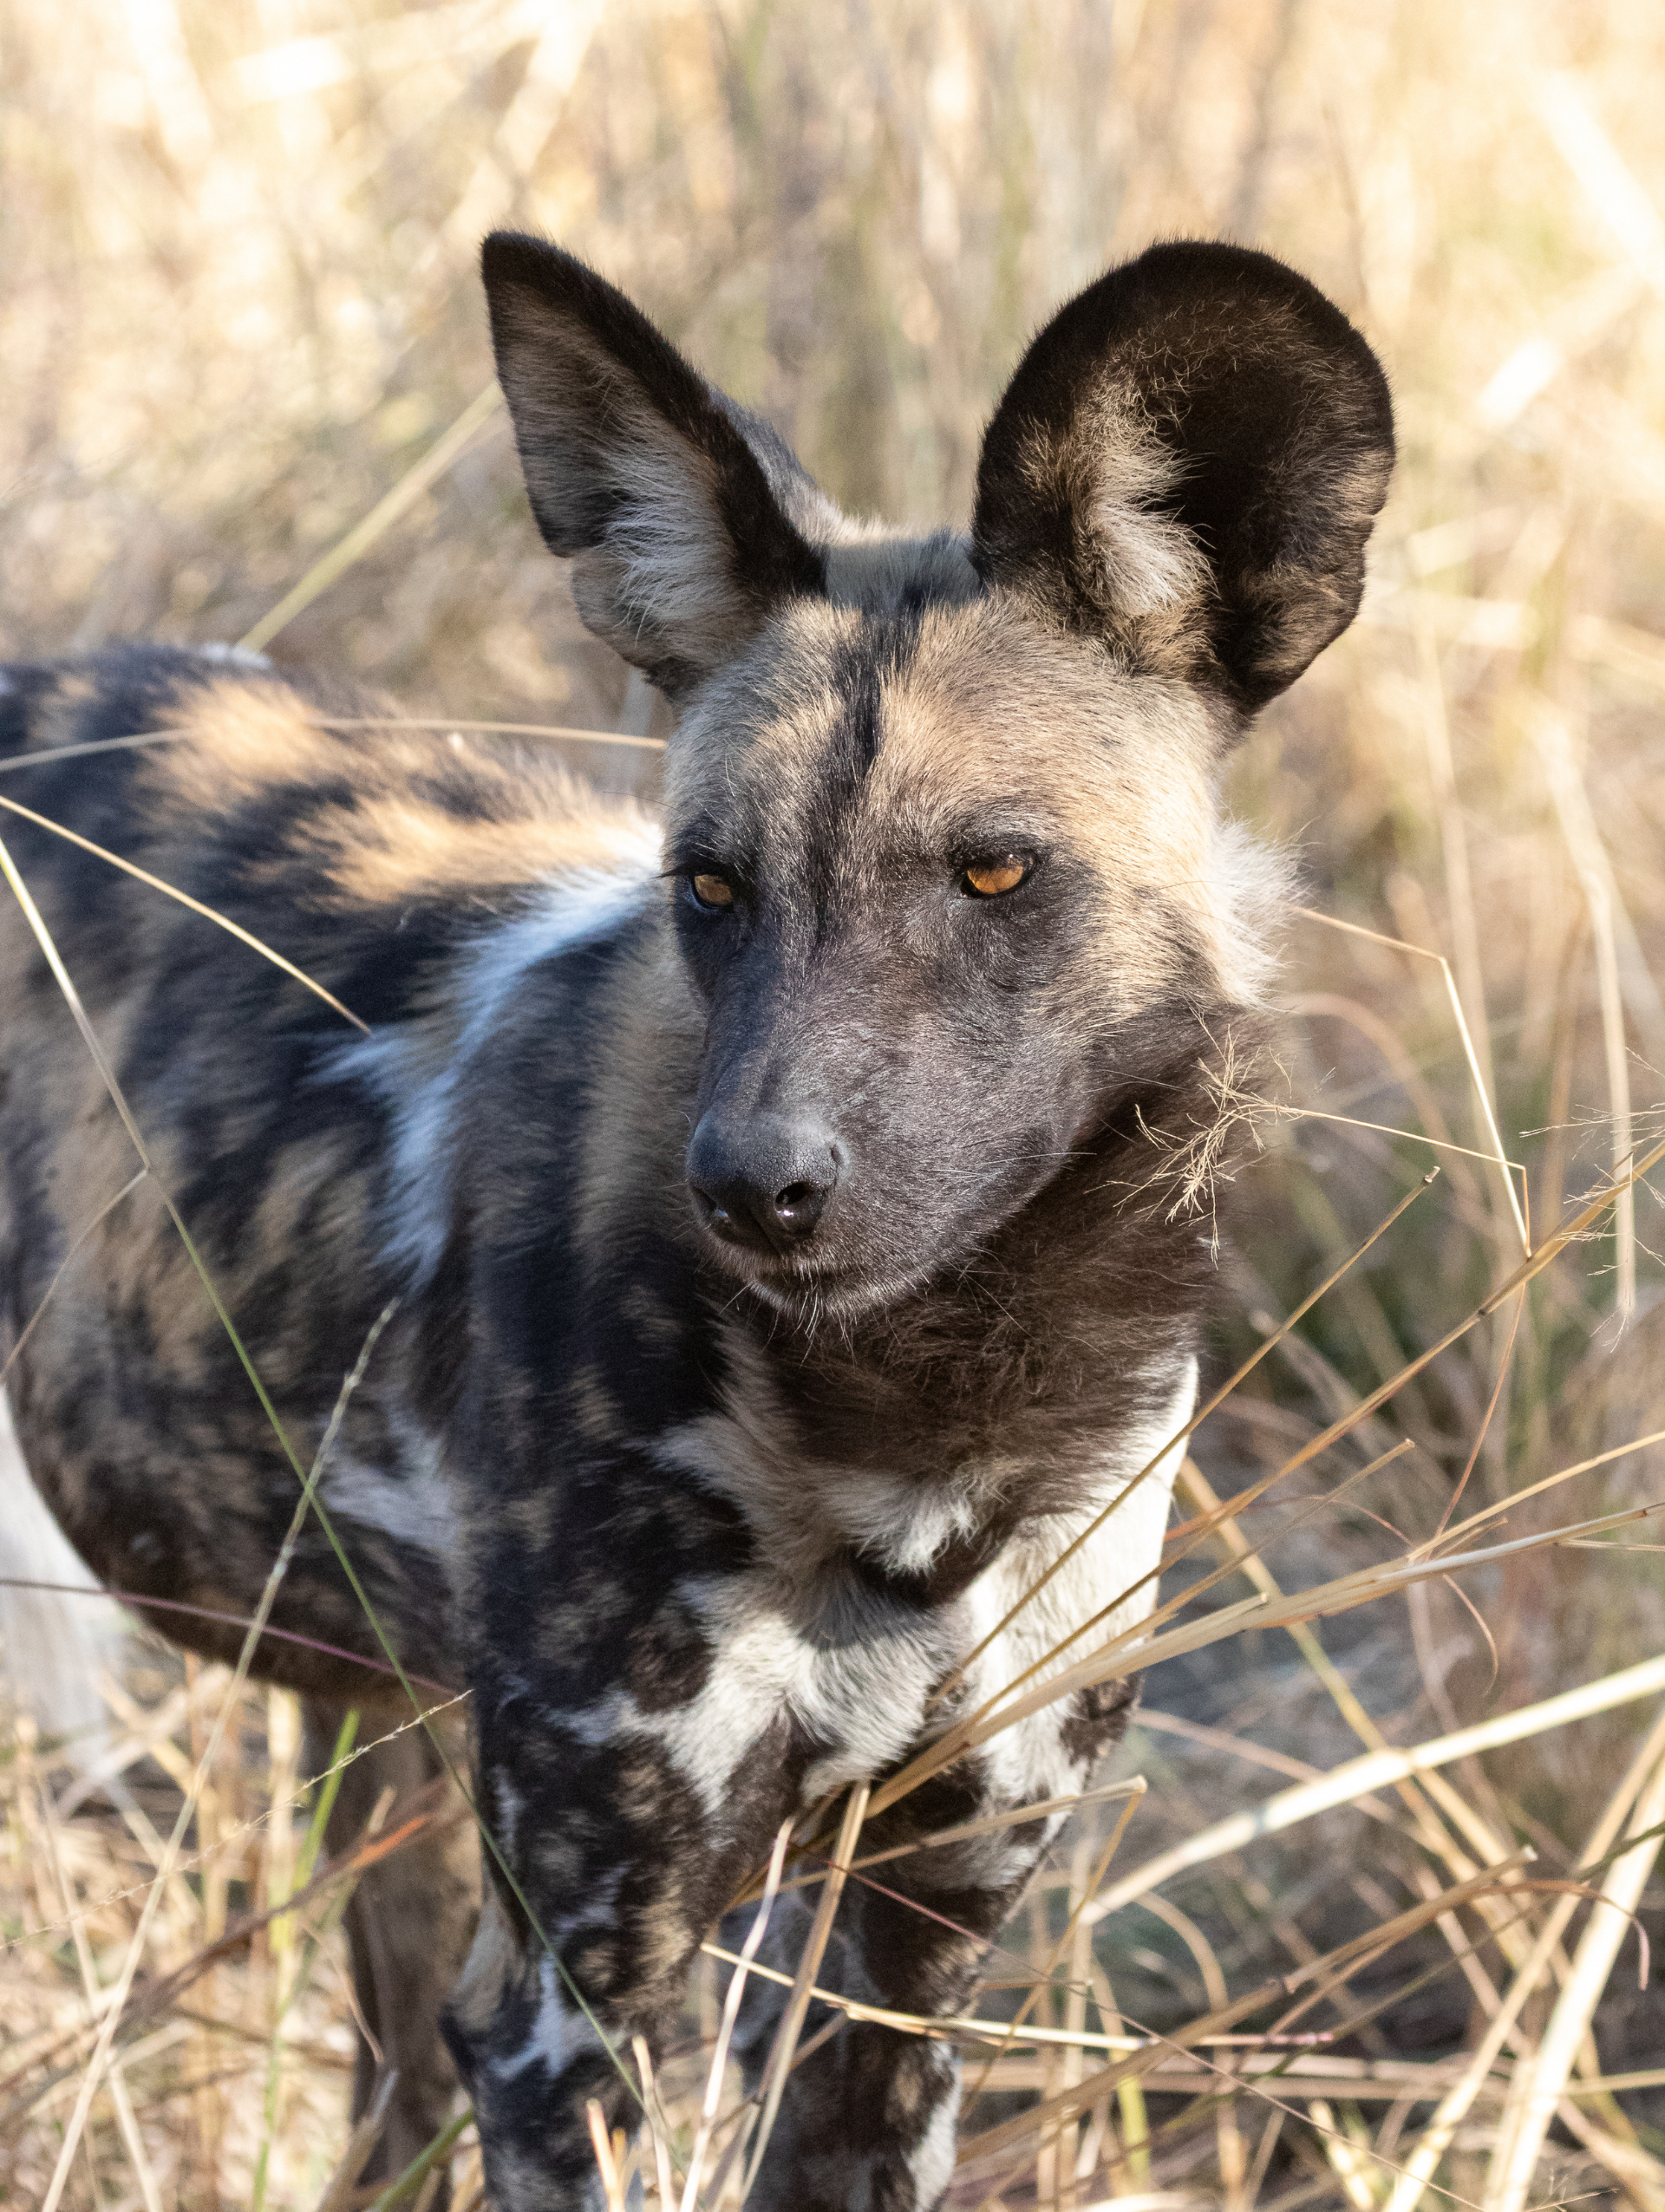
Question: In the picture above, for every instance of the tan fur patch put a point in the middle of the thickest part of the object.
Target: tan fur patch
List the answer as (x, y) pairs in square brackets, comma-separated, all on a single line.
[(246, 736), (395, 848), (527, 820), (993, 712)]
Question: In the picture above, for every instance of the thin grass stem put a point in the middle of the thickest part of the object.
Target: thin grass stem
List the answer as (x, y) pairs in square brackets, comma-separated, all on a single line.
[(183, 899), (445, 448)]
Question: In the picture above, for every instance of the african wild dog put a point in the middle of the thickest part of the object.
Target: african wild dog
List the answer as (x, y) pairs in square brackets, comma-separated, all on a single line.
[(773, 1195)]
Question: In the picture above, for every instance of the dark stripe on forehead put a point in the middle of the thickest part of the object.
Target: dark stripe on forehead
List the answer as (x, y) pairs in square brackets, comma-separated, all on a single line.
[(874, 653), (878, 652)]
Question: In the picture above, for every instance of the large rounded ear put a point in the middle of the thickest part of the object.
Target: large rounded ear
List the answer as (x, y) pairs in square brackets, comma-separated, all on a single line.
[(1188, 462), (638, 470)]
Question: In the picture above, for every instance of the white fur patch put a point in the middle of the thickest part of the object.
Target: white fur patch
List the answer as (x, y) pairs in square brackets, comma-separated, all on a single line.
[(864, 1697), (560, 2033), (668, 543), (1249, 885), (750, 1453), (573, 910), (1030, 1760), (52, 1647), (867, 1696), (1151, 564), (414, 1507), (511, 1805), (932, 2162), (906, 1523)]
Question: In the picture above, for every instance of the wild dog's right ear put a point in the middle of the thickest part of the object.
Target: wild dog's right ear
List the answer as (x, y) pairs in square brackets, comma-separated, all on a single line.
[(637, 468), (1188, 462)]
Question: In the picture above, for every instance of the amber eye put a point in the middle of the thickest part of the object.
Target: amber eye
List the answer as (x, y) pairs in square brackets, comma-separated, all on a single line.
[(988, 879), (713, 891)]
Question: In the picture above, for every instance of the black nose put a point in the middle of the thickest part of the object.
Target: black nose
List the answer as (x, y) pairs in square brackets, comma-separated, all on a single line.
[(763, 1182)]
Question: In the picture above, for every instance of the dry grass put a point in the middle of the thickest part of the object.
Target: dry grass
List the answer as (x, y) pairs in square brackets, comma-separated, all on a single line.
[(239, 312)]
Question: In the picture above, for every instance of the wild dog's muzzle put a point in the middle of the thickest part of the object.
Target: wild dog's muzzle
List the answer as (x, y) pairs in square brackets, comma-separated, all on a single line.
[(765, 1181)]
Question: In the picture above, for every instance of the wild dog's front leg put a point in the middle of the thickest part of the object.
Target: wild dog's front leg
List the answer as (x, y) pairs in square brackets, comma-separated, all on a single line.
[(868, 2121), (408, 1923), (617, 1862)]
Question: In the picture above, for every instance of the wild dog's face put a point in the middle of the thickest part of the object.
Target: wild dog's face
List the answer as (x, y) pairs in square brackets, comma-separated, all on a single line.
[(947, 871), (933, 876)]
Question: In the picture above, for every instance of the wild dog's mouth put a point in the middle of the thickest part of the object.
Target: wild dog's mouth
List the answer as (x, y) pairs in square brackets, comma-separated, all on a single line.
[(802, 1285), (809, 1296)]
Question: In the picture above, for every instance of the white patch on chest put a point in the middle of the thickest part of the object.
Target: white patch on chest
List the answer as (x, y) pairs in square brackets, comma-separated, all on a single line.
[(1117, 1562), (863, 1697), (865, 1693)]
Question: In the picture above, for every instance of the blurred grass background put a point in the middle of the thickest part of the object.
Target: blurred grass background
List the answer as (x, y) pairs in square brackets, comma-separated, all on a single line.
[(240, 306)]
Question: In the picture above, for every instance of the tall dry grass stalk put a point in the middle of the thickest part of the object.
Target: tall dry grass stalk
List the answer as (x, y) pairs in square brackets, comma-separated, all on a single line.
[(1356, 1926)]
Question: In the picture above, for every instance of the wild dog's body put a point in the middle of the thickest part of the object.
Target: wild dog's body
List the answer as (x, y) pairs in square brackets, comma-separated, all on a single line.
[(703, 1501)]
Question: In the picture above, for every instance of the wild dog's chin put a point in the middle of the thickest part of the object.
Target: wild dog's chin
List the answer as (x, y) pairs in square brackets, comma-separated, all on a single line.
[(809, 1299), (809, 1294)]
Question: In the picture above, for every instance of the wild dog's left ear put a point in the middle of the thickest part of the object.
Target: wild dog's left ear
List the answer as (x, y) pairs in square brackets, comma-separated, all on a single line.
[(1188, 462), (639, 470)]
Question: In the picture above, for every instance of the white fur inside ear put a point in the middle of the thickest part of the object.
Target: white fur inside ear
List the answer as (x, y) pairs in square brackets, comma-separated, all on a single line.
[(669, 546), (1152, 564)]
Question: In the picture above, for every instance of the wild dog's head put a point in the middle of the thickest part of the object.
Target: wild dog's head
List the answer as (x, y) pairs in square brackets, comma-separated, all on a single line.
[(948, 872)]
